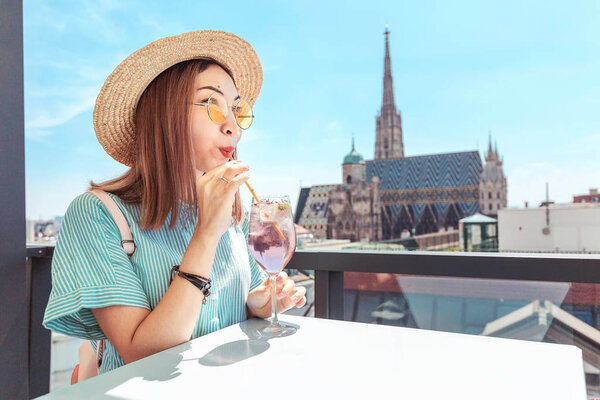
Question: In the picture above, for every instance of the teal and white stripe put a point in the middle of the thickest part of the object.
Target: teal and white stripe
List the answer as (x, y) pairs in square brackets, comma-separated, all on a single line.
[(90, 269)]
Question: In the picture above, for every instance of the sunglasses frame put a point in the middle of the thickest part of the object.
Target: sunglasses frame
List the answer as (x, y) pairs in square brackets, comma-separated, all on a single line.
[(233, 108)]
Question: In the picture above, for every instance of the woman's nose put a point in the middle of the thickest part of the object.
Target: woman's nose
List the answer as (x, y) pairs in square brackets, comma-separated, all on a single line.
[(230, 127)]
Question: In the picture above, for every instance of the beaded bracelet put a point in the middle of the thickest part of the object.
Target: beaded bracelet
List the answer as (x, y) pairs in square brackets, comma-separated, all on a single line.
[(199, 281)]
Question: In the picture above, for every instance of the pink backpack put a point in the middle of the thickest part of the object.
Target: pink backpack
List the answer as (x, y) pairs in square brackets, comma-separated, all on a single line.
[(88, 364)]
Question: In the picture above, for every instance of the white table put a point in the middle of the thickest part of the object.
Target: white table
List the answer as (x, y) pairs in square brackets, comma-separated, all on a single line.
[(328, 359)]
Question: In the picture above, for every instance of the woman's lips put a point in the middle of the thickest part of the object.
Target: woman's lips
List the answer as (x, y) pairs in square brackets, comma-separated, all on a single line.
[(226, 151)]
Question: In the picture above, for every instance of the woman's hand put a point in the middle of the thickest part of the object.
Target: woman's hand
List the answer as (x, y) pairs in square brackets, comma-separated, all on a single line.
[(216, 193), (288, 296)]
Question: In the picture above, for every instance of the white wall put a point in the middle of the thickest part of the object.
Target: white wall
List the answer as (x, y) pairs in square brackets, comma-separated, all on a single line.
[(573, 228)]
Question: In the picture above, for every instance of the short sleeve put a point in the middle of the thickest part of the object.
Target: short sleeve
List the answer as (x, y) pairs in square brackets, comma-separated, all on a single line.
[(257, 274), (90, 270)]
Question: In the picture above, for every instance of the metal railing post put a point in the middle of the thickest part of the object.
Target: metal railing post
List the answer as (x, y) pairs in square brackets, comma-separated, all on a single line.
[(40, 339), (13, 293), (322, 294), (329, 294), (336, 295)]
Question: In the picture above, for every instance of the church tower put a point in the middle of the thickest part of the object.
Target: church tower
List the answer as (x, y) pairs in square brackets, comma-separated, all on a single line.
[(388, 139), (353, 168), (492, 185)]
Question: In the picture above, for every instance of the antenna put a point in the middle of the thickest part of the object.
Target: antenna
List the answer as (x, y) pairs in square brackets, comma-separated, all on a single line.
[(546, 230)]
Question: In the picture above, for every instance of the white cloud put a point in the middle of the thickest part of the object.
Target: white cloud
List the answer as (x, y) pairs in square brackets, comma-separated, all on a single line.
[(53, 115), (38, 135), (333, 128), (91, 17)]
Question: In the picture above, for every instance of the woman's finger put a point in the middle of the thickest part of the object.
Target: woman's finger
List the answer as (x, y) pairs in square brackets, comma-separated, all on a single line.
[(285, 289), (233, 170), (238, 181), (297, 297), (298, 293), (282, 277), (229, 170), (301, 303)]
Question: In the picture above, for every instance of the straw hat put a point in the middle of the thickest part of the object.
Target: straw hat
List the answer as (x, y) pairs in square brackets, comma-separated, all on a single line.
[(114, 113)]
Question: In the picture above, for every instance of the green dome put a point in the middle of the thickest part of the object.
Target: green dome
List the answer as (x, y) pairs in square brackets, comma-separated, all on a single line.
[(353, 157)]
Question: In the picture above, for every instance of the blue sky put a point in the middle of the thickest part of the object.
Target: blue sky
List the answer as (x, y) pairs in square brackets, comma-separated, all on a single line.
[(526, 71)]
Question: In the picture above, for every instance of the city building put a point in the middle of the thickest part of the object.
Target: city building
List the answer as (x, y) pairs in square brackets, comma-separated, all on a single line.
[(394, 196), (571, 227), (592, 197), (492, 186), (43, 230)]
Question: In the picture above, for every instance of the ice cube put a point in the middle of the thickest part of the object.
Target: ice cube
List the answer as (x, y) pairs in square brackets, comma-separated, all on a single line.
[(268, 212)]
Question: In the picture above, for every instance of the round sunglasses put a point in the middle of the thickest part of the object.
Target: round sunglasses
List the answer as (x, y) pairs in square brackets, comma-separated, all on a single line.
[(218, 110)]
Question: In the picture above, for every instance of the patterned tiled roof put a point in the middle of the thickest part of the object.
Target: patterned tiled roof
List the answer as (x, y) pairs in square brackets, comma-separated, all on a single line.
[(438, 180), (301, 202), (312, 213), (464, 209), (432, 171)]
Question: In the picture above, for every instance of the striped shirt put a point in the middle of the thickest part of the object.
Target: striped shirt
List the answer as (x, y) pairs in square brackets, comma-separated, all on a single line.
[(90, 269)]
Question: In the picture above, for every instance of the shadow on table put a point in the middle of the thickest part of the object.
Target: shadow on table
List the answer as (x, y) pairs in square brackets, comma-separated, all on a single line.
[(169, 361), (239, 350)]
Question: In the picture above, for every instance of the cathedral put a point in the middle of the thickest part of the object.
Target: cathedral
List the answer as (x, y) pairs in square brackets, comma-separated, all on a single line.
[(393, 196)]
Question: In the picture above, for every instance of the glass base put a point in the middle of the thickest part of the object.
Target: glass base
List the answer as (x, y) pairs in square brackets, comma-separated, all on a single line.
[(281, 329)]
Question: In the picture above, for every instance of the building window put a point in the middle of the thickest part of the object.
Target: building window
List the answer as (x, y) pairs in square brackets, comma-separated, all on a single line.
[(490, 207), (349, 179), (498, 195), (489, 195)]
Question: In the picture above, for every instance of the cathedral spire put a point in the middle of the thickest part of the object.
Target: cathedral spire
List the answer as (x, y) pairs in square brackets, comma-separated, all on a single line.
[(490, 156), (388, 87), (388, 135)]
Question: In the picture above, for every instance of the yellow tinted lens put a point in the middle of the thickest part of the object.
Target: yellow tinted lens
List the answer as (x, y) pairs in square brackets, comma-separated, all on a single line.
[(217, 108), (243, 115)]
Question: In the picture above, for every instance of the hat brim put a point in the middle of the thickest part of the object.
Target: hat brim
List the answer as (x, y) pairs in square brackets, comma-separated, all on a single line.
[(114, 113)]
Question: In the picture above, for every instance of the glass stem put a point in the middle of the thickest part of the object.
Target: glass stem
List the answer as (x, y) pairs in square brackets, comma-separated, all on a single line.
[(274, 320)]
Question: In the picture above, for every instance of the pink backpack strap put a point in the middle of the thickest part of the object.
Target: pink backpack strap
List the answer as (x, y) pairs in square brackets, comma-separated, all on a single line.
[(114, 210), (126, 241)]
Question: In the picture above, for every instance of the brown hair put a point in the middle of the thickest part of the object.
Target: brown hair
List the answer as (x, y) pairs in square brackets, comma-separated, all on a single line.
[(164, 169)]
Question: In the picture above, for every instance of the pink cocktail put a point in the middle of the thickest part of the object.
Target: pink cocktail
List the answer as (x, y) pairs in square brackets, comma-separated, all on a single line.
[(272, 242)]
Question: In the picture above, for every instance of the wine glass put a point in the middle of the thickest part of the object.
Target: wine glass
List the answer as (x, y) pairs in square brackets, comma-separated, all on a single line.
[(272, 242)]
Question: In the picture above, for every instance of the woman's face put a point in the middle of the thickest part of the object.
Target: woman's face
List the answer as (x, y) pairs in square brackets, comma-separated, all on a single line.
[(212, 142)]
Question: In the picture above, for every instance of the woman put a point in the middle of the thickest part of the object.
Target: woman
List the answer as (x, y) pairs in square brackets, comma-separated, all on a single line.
[(173, 112)]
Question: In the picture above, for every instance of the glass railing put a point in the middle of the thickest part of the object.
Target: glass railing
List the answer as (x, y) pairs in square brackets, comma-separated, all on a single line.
[(541, 297), (555, 299)]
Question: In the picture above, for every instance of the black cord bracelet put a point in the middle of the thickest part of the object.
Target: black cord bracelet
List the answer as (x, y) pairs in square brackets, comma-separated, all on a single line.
[(199, 281)]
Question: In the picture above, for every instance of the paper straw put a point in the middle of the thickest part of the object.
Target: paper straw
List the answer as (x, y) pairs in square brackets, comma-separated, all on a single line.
[(258, 201)]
